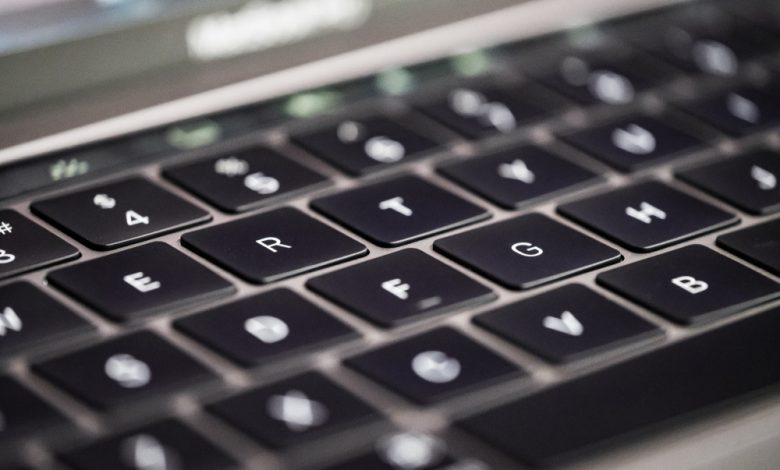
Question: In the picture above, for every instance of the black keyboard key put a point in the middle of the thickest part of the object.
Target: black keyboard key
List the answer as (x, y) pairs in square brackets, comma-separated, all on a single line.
[(30, 318), (486, 110), (254, 330), (434, 366), (701, 38), (400, 287), (567, 324), (647, 391), (691, 285), (647, 216), (124, 370), (518, 177), (24, 413), (25, 246), (592, 80), (120, 213), (738, 112), (527, 251), (748, 182), (245, 180), (274, 245), (364, 145), (634, 143), (400, 210), (408, 450), (164, 445), (294, 411), (759, 244), (142, 281)]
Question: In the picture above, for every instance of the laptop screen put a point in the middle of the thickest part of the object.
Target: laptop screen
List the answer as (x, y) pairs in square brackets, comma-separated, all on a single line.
[(55, 48)]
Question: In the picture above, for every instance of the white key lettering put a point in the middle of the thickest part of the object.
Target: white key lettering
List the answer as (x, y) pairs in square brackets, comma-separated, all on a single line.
[(526, 249), (396, 204), (567, 324), (141, 282), (517, 170), (6, 258), (397, 287), (645, 213), (634, 139), (267, 329), (134, 218), (261, 184), (127, 371), (690, 284), (436, 367), (384, 149), (742, 108), (9, 321), (766, 180), (271, 244), (297, 411)]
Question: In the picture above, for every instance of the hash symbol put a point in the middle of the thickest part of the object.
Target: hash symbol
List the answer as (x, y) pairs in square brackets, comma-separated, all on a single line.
[(5, 228)]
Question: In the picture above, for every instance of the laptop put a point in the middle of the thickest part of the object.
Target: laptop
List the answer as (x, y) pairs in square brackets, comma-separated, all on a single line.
[(389, 234)]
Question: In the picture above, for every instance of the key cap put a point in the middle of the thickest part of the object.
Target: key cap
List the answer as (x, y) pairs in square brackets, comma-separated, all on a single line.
[(527, 251), (400, 287), (124, 370), (701, 38), (24, 413), (567, 324), (139, 282), (408, 450), (24, 246), (294, 411), (592, 80), (119, 214), (748, 182), (434, 366), (482, 111), (737, 112), (691, 285), (399, 211), (164, 445), (30, 318), (634, 143), (257, 329), (670, 383), (274, 245), (245, 180), (759, 244), (647, 216), (365, 145), (518, 177)]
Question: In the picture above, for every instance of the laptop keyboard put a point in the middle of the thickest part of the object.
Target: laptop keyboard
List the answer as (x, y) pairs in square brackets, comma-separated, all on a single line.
[(438, 267)]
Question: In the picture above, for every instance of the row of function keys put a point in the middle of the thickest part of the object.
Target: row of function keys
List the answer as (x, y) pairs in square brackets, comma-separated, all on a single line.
[(605, 70)]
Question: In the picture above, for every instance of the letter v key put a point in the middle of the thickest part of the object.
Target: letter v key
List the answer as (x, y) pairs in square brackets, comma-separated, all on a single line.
[(566, 324)]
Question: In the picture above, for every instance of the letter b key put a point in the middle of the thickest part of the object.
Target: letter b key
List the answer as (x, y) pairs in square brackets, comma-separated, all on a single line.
[(690, 284)]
